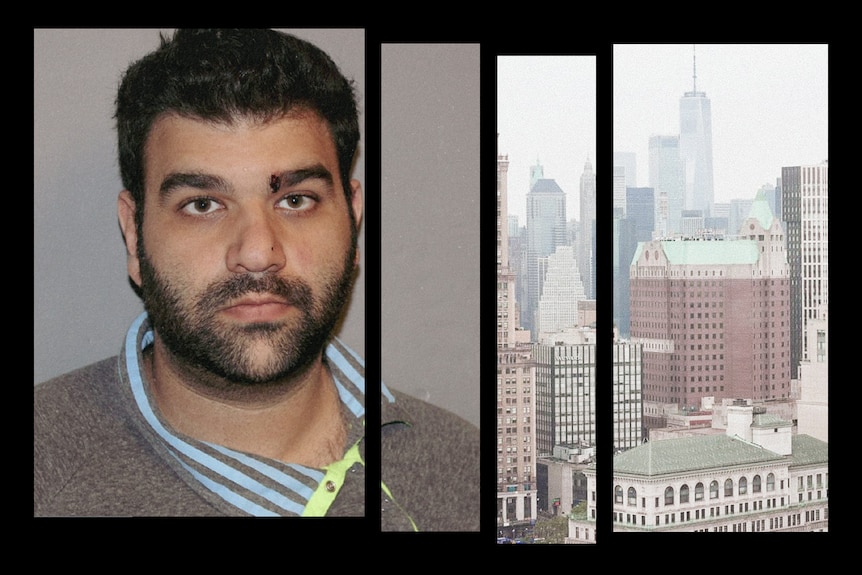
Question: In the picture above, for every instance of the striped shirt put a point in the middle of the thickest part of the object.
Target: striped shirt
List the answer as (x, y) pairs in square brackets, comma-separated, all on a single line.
[(240, 482)]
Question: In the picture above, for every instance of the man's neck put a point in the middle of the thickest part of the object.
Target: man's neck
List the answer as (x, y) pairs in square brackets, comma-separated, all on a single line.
[(297, 421)]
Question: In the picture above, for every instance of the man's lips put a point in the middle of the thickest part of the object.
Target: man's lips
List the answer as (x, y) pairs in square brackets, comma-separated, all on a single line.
[(257, 308)]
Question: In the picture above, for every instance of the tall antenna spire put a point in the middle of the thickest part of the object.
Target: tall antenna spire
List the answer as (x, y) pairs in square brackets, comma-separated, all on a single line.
[(694, 68)]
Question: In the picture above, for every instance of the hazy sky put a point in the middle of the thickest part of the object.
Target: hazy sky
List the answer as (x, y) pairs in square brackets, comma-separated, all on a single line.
[(769, 106), (546, 112)]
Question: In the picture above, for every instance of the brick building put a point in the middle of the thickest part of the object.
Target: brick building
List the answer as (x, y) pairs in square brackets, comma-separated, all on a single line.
[(713, 315)]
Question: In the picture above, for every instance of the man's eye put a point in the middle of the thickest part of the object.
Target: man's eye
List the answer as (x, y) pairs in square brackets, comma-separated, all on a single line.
[(296, 202), (200, 206)]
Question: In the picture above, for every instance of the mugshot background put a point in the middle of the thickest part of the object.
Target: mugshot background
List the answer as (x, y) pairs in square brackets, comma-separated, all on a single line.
[(430, 223), (83, 303)]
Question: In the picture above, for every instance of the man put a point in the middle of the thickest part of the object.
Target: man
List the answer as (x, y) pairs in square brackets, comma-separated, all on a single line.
[(230, 395)]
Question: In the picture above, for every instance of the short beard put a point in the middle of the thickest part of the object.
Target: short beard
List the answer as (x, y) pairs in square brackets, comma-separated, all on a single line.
[(202, 345)]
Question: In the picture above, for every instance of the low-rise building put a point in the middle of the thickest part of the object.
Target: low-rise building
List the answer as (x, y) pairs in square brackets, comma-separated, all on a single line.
[(757, 476)]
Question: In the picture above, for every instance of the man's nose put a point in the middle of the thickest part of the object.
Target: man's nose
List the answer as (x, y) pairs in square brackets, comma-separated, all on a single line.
[(257, 243)]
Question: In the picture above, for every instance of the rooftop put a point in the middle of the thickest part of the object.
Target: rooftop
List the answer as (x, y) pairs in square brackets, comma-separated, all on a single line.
[(546, 186), (697, 252), (698, 453)]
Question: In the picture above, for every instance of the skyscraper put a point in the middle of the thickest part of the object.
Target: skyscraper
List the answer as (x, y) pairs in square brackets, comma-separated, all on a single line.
[(640, 207), (627, 161), (695, 146), (805, 210), (546, 229), (620, 177), (624, 247), (666, 177), (586, 253), (516, 465), (561, 292)]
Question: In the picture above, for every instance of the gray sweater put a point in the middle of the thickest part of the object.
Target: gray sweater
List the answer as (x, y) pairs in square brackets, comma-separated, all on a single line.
[(92, 457)]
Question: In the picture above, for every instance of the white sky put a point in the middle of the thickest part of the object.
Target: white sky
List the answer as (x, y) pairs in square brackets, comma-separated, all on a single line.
[(769, 106), (546, 111)]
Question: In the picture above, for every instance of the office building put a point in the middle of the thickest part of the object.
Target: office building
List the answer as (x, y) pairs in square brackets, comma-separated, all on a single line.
[(561, 292), (625, 242), (805, 212), (516, 464), (641, 208), (667, 179), (586, 238), (546, 230), (565, 413), (714, 315), (812, 407), (619, 190), (695, 147), (628, 421), (627, 161)]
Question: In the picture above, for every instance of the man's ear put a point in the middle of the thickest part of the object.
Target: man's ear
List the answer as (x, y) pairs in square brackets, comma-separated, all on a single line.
[(126, 215), (356, 206)]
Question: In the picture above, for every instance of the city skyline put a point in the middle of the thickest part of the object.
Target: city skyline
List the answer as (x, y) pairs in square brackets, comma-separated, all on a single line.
[(546, 113), (769, 106)]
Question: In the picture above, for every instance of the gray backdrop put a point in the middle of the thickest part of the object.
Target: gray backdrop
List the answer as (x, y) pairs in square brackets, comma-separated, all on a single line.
[(429, 205), (430, 222)]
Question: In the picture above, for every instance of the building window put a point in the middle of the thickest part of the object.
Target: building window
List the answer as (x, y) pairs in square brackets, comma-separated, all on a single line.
[(755, 484), (770, 482), (668, 496), (683, 494), (821, 346), (698, 492), (728, 488), (633, 496), (743, 486), (618, 494), (713, 490)]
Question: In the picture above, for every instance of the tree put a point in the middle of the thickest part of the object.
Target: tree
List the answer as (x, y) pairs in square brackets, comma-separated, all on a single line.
[(551, 531)]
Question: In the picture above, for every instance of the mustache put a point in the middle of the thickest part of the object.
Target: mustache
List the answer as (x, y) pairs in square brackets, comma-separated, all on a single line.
[(293, 291)]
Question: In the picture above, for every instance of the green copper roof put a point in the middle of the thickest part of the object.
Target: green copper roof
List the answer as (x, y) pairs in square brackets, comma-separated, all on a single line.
[(808, 450), (695, 453), (761, 211), (706, 252), (725, 252), (717, 252)]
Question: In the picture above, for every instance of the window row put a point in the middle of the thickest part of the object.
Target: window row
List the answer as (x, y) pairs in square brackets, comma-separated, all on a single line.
[(728, 488)]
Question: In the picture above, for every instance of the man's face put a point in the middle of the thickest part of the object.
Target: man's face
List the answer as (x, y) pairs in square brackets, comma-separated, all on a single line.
[(248, 249)]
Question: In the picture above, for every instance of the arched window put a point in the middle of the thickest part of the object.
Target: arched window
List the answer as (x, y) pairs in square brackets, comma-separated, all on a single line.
[(743, 485), (728, 488), (618, 494), (683, 494), (698, 491), (668, 496), (755, 484), (633, 496), (770, 482), (713, 489)]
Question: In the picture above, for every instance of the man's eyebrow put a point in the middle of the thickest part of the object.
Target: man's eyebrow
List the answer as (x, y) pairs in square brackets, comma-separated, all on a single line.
[(203, 181), (176, 180), (297, 176)]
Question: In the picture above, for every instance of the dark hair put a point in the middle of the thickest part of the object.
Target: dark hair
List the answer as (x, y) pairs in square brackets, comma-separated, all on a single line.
[(221, 75)]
